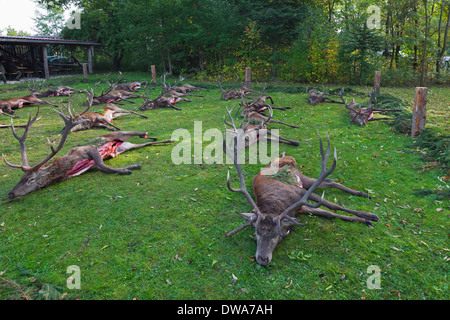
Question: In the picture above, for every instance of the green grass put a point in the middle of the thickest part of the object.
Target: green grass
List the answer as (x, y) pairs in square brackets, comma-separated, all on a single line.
[(160, 232)]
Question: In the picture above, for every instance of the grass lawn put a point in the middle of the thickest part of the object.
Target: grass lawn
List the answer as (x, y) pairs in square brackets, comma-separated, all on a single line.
[(159, 233)]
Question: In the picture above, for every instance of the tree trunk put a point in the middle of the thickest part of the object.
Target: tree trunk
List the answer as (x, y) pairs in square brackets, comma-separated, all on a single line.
[(117, 62), (424, 53), (419, 111), (441, 49)]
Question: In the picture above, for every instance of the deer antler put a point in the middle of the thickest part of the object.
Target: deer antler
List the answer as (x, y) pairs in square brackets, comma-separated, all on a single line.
[(69, 124), (243, 190), (21, 140), (304, 200), (35, 87), (89, 100)]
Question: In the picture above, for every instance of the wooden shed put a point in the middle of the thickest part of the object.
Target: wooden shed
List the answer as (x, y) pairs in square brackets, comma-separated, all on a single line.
[(27, 49)]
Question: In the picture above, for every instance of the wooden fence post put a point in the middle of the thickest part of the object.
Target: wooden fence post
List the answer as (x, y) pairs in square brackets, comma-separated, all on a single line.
[(153, 73), (45, 61), (248, 78), (85, 70), (419, 111), (377, 82)]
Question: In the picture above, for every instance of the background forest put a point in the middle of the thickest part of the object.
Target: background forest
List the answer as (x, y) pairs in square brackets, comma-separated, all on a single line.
[(297, 41)]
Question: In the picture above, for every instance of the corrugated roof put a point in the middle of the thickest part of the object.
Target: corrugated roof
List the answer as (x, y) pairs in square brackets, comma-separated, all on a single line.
[(44, 40)]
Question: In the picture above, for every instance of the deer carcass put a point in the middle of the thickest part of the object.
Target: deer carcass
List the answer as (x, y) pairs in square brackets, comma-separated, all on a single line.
[(26, 101), (362, 115), (235, 93), (130, 87), (258, 104), (5, 108), (91, 119), (59, 92), (316, 97), (255, 129), (281, 190), (77, 161)]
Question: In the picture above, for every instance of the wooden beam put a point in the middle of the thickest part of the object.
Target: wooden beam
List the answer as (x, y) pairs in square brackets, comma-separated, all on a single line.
[(377, 82), (153, 73), (85, 70), (45, 61), (419, 111), (89, 54), (248, 78)]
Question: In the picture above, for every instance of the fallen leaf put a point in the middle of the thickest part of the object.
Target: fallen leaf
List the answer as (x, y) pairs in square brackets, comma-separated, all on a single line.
[(287, 286)]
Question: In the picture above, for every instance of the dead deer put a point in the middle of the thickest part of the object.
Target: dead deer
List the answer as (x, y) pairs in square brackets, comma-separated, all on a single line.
[(5, 108), (162, 101), (316, 97), (59, 92), (258, 104), (111, 112), (130, 87), (188, 88), (113, 95), (26, 101), (235, 93), (281, 190), (92, 119), (256, 129), (77, 161), (362, 115)]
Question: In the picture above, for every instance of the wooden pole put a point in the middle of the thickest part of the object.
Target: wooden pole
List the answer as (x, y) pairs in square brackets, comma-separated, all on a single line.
[(248, 78), (153, 73), (419, 111), (45, 61), (377, 82), (89, 54), (85, 70)]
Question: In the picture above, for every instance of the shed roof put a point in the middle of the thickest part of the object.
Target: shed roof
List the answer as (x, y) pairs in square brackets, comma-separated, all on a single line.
[(44, 40)]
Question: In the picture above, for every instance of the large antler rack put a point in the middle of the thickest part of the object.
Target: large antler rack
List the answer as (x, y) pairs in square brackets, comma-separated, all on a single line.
[(69, 121), (304, 200), (90, 94), (239, 136)]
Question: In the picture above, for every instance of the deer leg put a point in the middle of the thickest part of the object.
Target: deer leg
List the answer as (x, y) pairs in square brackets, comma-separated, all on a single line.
[(282, 139), (333, 206), (95, 155), (102, 119), (331, 215), (281, 122), (127, 146), (328, 183), (140, 115), (172, 106)]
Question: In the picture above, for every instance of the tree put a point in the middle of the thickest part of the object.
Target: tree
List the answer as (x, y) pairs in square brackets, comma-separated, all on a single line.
[(50, 22)]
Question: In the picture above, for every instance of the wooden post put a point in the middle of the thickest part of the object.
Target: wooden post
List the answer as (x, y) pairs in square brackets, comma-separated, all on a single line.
[(85, 70), (45, 61), (248, 78), (419, 111), (89, 55), (153, 73), (377, 82)]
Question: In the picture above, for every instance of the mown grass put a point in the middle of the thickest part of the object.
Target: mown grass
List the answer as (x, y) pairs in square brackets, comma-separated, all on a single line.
[(160, 232)]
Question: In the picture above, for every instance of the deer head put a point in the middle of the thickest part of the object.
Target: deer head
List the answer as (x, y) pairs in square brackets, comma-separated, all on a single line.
[(272, 213), (36, 177), (357, 113)]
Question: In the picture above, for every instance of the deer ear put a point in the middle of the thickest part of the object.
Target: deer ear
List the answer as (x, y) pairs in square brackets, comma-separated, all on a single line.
[(248, 216)]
